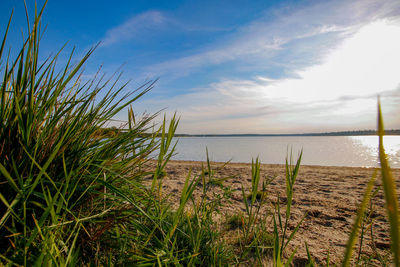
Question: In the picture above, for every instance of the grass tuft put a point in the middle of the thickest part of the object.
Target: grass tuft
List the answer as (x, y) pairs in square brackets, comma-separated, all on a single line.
[(235, 221)]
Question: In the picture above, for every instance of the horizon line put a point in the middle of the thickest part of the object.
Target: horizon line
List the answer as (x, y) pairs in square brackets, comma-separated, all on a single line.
[(339, 133)]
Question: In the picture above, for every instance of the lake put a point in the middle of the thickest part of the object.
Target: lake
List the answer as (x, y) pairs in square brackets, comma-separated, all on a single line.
[(353, 151)]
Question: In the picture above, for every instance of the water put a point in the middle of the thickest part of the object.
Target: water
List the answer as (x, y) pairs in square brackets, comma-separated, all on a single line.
[(354, 151)]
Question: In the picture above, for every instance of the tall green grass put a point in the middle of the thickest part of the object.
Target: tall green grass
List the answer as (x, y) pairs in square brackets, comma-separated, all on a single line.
[(391, 203), (280, 228), (391, 197), (70, 193)]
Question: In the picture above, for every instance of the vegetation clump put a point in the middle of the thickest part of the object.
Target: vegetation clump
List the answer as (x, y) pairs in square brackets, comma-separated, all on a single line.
[(259, 196), (235, 221)]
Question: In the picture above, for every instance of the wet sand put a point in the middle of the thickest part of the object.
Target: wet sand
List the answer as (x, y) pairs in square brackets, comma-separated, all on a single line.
[(329, 195)]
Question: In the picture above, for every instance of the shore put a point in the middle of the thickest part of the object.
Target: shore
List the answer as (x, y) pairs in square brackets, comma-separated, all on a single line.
[(329, 195)]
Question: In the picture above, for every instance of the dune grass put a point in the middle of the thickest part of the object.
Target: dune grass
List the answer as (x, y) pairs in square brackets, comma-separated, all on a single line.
[(391, 197), (72, 190)]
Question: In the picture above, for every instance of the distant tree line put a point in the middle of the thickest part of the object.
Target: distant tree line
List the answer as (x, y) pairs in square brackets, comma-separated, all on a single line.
[(112, 131), (343, 133)]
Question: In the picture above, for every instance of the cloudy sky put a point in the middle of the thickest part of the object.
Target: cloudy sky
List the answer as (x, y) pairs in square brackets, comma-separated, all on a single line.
[(239, 66)]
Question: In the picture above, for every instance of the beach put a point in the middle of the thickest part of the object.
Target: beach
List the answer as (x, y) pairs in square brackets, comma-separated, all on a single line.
[(329, 195)]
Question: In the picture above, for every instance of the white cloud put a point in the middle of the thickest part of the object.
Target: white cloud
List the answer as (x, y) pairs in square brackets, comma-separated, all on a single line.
[(349, 53), (338, 94), (148, 22), (367, 63), (264, 39), (134, 27)]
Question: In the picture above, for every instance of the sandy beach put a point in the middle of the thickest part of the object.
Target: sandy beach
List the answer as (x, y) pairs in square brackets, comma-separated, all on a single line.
[(330, 196)]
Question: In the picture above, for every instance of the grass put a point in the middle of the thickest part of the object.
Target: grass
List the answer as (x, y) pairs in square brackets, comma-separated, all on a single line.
[(72, 190), (391, 196), (260, 195), (235, 221)]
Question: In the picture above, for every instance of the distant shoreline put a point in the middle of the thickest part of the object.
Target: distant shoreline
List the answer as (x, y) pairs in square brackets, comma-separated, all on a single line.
[(344, 133), (233, 163)]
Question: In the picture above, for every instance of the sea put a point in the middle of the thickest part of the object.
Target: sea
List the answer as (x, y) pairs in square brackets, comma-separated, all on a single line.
[(352, 151)]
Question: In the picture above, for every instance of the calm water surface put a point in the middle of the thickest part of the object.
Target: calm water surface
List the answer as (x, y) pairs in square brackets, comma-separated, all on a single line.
[(355, 151)]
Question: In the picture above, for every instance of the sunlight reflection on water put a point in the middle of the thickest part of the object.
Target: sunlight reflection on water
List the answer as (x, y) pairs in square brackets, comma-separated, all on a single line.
[(356, 151)]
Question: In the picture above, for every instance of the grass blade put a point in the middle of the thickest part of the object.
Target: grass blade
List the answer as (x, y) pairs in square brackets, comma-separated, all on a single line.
[(389, 188), (357, 222)]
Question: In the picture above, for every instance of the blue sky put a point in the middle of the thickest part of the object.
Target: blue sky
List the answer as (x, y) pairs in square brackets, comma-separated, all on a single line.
[(238, 66)]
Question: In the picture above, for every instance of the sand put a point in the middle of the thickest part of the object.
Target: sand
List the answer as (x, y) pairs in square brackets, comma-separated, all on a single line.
[(330, 196)]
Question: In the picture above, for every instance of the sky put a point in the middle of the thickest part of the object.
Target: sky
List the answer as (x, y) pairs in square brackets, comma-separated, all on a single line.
[(236, 67)]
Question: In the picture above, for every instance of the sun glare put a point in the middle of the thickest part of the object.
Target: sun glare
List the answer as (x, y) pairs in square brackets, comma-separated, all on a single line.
[(365, 64)]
